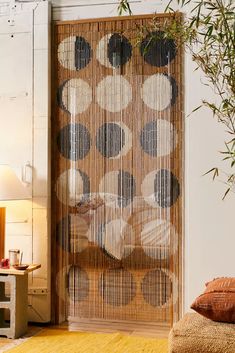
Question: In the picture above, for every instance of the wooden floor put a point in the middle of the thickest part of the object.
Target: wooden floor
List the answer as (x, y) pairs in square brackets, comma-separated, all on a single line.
[(147, 329), (98, 326)]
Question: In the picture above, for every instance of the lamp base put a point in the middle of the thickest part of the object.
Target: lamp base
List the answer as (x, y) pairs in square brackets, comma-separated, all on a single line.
[(2, 231)]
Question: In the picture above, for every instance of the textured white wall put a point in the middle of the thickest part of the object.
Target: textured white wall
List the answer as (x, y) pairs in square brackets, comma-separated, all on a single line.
[(24, 138), (209, 225), (209, 228)]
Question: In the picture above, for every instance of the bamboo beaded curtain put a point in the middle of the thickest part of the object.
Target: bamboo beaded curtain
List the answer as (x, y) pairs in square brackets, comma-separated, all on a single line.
[(116, 172)]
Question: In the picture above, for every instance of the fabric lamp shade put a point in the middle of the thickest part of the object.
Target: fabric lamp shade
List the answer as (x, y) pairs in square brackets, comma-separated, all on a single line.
[(11, 187)]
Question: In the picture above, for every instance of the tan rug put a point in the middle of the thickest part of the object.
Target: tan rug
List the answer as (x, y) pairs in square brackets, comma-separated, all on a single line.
[(62, 341), (7, 343)]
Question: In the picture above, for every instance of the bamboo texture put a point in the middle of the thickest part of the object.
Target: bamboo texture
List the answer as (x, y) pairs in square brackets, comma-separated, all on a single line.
[(117, 173)]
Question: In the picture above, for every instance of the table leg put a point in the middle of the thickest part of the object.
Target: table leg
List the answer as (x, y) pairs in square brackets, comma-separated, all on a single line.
[(19, 314)]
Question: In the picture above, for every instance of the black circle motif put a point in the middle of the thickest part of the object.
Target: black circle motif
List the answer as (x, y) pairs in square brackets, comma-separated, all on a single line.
[(157, 50), (63, 233), (74, 141), (149, 138), (78, 284), (117, 287), (83, 53), (174, 89), (110, 140), (156, 288), (100, 239), (119, 50), (126, 188), (86, 184), (59, 97), (71, 233), (166, 188)]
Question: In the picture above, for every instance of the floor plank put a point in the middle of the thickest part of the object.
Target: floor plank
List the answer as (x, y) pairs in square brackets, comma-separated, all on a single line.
[(130, 328)]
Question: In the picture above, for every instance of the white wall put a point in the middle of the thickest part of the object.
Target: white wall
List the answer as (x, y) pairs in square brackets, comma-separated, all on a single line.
[(24, 138), (209, 221), (209, 225)]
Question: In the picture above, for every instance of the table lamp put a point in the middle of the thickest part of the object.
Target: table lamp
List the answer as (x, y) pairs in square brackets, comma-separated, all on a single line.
[(11, 188)]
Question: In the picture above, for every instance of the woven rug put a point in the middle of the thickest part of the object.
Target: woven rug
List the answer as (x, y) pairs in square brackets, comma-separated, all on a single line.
[(62, 341)]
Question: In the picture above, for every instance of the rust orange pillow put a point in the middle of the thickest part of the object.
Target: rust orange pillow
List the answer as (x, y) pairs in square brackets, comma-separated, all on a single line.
[(218, 300)]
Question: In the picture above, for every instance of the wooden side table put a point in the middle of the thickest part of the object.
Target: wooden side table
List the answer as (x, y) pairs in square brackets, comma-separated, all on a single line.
[(17, 303)]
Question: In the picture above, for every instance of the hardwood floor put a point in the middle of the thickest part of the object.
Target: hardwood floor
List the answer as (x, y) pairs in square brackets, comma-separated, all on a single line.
[(131, 328)]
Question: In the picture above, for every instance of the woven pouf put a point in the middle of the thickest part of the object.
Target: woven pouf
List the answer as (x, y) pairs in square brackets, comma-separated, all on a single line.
[(196, 334)]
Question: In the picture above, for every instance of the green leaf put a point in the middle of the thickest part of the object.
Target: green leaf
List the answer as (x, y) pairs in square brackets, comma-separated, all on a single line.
[(124, 6), (215, 174), (197, 108), (210, 30), (226, 193), (168, 6), (231, 178)]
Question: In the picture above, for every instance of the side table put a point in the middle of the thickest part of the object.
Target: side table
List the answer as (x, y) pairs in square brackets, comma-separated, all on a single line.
[(17, 303)]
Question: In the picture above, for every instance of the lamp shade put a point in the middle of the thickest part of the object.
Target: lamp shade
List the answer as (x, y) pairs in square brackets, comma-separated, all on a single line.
[(11, 187)]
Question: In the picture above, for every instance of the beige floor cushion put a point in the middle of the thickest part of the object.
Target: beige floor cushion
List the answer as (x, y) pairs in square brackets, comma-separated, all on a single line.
[(196, 334)]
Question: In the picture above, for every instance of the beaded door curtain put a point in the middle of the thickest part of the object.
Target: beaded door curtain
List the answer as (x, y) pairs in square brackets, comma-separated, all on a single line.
[(116, 172)]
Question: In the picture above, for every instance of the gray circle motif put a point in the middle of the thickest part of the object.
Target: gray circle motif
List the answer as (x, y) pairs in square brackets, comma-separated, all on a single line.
[(158, 138), (117, 287), (78, 284), (110, 140), (119, 50), (72, 186), (156, 287), (157, 50), (74, 141), (166, 188), (149, 138), (74, 53), (71, 233)]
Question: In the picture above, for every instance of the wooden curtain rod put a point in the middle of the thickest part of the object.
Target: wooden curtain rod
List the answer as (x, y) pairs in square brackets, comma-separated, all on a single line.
[(117, 18)]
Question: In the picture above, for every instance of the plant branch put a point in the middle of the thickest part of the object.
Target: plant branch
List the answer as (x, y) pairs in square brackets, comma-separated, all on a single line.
[(209, 35)]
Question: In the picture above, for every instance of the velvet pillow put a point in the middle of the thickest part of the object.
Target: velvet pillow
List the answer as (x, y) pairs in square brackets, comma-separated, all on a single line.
[(218, 300)]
